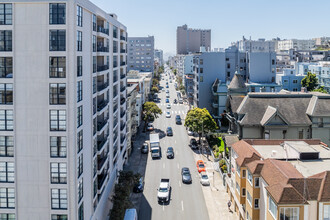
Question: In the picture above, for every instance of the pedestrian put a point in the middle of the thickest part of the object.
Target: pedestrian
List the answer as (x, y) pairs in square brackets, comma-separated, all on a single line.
[(229, 204)]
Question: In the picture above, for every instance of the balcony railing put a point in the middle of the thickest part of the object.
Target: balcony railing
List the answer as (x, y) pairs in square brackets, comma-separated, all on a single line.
[(102, 49), (115, 123), (101, 142), (115, 107), (101, 124), (102, 86), (123, 114), (100, 180), (122, 139), (115, 64), (122, 51), (122, 89), (122, 76), (122, 38), (122, 101), (102, 30), (102, 68), (115, 50), (122, 126), (122, 63), (102, 104), (115, 78), (100, 162)]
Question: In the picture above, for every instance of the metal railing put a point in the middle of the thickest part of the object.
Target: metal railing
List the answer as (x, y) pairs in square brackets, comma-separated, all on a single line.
[(102, 49), (102, 86), (102, 68), (102, 104), (102, 30)]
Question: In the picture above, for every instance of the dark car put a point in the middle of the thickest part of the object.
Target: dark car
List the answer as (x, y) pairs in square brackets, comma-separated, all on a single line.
[(169, 131), (186, 176), (138, 187), (193, 143), (178, 120), (144, 148), (170, 153), (167, 101), (150, 127), (166, 86), (175, 101)]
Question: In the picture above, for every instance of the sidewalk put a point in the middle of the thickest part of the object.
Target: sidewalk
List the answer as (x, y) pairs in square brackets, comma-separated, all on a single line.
[(215, 195)]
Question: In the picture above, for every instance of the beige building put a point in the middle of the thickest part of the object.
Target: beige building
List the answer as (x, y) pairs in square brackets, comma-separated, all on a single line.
[(278, 179), (132, 114), (283, 115), (190, 40)]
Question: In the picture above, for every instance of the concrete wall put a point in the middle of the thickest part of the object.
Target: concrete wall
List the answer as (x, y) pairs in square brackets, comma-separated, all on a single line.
[(251, 132), (262, 67)]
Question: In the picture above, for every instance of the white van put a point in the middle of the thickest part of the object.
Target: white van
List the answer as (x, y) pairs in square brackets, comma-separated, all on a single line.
[(180, 100), (131, 214)]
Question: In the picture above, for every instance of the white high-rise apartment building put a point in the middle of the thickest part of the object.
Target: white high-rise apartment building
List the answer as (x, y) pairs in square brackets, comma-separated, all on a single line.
[(285, 45), (62, 109)]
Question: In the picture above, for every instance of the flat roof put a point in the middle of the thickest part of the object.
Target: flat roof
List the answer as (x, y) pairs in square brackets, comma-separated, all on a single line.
[(311, 167), (301, 146)]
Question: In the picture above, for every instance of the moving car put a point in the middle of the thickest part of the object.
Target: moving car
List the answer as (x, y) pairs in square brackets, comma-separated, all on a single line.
[(167, 91), (168, 106), (169, 131), (144, 148), (167, 95), (166, 86), (178, 120), (138, 187), (170, 153), (175, 101), (167, 101), (163, 194), (204, 179), (168, 114), (180, 100), (150, 127), (200, 166), (186, 175)]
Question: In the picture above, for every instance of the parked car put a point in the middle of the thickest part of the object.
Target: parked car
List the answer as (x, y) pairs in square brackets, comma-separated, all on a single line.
[(200, 166), (168, 114), (193, 143), (150, 127), (138, 187), (167, 101), (190, 132), (186, 175), (204, 179), (144, 148), (167, 91), (166, 86), (169, 131), (168, 106), (170, 153), (178, 120), (175, 101), (167, 95), (180, 100)]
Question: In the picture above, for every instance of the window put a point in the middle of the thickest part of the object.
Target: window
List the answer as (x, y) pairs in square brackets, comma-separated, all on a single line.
[(294, 81), (244, 174), (57, 67), (256, 203), (201, 78), (57, 40), (94, 64), (228, 65), (7, 174), (57, 93), (80, 165), (238, 170), (253, 89), (6, 93), (79, 16), (243, 191), (115, 31), (238, 188), (79, 66), (7, 198), (79, 116), (57, 146), (250, 177), (59, 198), (273, 62), (94, 85), (6, 13), (59, 217), (201, 70), (80, 141), (58, 173), (79, 91), (6, 146), (94, 43), (79, 41), (201, 61), (289, 213), (6, 40), (256, 182), (57, 120), (94, 22), (6, 120), (249, 198), (5, 216), (80, 190), (272, 207), (228, 74), (81, 212), (56, 13), (326, 212)]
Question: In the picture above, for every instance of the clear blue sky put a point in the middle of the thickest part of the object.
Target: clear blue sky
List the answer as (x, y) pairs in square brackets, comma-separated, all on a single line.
[(229, 20)]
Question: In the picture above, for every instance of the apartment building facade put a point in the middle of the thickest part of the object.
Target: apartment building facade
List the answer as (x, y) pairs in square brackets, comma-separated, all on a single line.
[(61, 118), (159, 57), (190, 40), (141, 53), (285, 45)]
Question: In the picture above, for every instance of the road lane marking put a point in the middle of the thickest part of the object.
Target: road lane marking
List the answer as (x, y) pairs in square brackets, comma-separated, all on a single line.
[(182, 205), (178, 166), (163, 207), (175, 141), (179, 183), (164, 165)]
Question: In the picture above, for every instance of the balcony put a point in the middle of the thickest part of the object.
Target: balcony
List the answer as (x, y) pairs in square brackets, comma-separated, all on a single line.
[(100, 161), (122, 89), (115, 108), (102, 30), (102, 49), (115, 64), (101, 124), (122, 38), (101, 142), (102, 86), (115, 78), (122, 101), (122, 63), (102, 104), (115, 50), (122, 114), (100, 180), (102, 68), (122, 126), (122, 51), (122, 76), (122, 139)]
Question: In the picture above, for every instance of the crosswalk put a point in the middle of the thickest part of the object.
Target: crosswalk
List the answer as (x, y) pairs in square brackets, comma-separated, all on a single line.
[(176, 112)]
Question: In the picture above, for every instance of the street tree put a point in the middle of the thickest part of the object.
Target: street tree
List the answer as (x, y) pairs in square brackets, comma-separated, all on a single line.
[(154, 89), (155, 82), (320, 89), (150, 112), (310, 81), (200, 121)]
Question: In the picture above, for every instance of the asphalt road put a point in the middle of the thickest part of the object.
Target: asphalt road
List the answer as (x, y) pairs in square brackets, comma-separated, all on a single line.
[(187, 201)]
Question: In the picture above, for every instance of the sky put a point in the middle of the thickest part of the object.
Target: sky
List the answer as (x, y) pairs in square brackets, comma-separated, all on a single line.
[(228, 20)]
